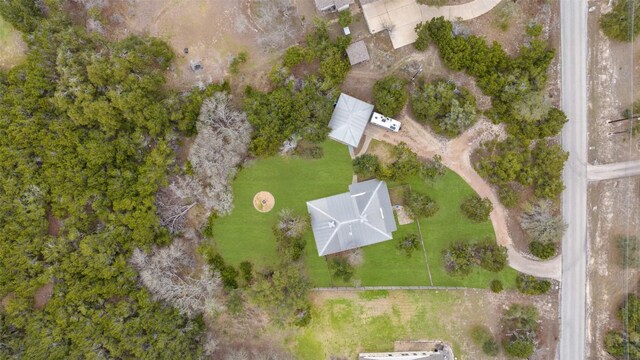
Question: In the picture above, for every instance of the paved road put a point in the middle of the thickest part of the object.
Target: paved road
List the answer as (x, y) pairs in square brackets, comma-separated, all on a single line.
[(401, 16), (573, 15), (613, 171)]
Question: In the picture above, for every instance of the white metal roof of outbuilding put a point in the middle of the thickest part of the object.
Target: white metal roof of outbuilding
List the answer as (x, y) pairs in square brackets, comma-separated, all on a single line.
[(349, 119)]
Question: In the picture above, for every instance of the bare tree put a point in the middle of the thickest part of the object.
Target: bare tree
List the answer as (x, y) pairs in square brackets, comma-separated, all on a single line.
[(172, 209), (171, 275), (221, 145), (542, 223), (275, 18), (290, 224)]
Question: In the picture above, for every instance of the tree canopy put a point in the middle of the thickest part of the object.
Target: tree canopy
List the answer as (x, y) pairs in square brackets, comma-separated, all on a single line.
[(85, 144)]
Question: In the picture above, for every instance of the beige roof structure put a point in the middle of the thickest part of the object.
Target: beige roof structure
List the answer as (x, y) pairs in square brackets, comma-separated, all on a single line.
[(400, 17), (357, 52)]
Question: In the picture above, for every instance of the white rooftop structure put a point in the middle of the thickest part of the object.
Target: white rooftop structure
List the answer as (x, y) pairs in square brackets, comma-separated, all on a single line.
[(363, 216), (349, 119), (385, 122), (333, 5), (405, 355)]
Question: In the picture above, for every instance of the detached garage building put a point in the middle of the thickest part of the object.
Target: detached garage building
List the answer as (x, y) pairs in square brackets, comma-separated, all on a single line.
[(349, 119), (363, 216)]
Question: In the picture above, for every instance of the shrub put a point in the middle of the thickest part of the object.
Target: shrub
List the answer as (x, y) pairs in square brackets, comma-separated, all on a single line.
[(289, 231), (618, 24), (622, 343), (508, 197), (432, 169), (404, 165), (490, 256), (520, 323), (629, 251), (542, 250), (345, 18), (408, 244), (228, 273), (530, 285), (491, 347), (520, 348), (424, 38), (246, 270), (458, 259), (534, 29), (341, 268), (476, 209), (419, 205), (496, 286), (390, 95), (242, 58), (293, 56), (309, 151), (366, 166)]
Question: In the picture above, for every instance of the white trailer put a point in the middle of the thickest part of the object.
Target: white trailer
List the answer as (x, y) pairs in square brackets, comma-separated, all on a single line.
[(385, 122)]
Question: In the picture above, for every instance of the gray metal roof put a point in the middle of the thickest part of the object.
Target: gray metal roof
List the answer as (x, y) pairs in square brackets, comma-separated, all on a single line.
[(405, 355), (349, 119), (357, 52), (327, 4), (363, 216)]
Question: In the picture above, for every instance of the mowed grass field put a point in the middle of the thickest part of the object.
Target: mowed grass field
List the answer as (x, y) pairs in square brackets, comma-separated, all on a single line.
[(348, 322), (247, 234)]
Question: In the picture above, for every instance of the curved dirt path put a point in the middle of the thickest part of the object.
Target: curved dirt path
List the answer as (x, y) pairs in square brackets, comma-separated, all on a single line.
[(456, 156)]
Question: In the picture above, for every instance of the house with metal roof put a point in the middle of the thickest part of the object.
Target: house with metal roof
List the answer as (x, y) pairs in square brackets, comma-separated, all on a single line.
[(363, 216), (349, 119)]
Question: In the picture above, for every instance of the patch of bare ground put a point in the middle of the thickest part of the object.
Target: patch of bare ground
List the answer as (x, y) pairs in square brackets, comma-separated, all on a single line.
[(208, 32), (614, 72), (613, 210), (12, 47), (54, 224), (472, 307), (43, 295)]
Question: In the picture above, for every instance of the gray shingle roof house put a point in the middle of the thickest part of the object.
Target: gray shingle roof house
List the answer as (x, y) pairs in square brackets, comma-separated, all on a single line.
[(333, 5), (350, 117), (357, 52), (363, 216)]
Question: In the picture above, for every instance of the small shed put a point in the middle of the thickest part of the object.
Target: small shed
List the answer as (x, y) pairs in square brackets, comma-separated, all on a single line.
[(357, 52)]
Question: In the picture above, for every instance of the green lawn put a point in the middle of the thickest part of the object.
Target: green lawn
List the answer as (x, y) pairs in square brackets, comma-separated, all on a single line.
[(345, 325), (246, 234)]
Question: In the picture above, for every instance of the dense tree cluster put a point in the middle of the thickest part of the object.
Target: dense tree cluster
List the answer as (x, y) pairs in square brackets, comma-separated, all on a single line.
[(282, 288), (446, 107), (404, 163), (623, 22), (505, 163), (390, 95), (520, 330), (424, 38), (298, 107), (84, 143), (623, 343), (514, 84), (460, 257)]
